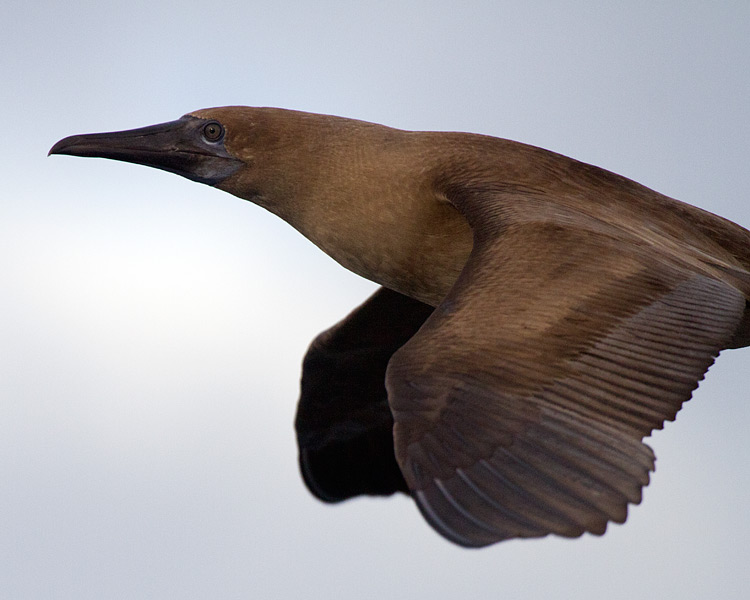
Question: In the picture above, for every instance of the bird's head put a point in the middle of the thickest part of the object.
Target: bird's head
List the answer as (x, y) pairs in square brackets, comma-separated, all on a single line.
[(242, 150), (196, 147)]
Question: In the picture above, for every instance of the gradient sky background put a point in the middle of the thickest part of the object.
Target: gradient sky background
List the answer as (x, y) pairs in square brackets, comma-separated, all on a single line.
[(152, 329)]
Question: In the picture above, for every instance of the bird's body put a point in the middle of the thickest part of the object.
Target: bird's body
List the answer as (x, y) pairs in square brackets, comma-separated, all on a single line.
[(538, 315)]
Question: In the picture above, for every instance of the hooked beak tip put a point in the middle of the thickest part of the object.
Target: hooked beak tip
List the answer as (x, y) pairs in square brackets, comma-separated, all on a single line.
[(73, 145), (57, 147)]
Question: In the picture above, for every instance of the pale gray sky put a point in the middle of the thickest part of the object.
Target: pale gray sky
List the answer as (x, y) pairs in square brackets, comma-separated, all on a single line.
[(151, 329)]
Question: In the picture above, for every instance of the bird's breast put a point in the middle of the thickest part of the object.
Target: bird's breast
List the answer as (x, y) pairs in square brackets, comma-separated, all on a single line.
[(415, 246)]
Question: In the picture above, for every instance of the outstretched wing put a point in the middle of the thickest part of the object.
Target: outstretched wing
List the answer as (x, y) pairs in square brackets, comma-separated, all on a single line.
[(344, 424), (520, 405)]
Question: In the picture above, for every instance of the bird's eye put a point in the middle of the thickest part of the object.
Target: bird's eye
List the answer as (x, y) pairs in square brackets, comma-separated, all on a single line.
[(213, 131)]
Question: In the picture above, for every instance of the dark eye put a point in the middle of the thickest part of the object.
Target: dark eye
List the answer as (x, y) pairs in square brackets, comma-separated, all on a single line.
[(213, 131)]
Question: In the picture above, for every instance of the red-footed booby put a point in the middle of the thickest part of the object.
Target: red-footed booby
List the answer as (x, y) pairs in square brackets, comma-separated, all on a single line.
[(538, 317)]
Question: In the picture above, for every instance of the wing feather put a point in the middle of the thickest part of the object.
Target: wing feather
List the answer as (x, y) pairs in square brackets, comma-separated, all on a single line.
[(521, 403)]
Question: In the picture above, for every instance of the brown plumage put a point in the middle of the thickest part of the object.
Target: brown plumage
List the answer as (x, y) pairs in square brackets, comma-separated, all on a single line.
[(538, 316)]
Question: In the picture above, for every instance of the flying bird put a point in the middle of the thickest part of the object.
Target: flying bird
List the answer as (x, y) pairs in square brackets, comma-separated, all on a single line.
[(538, 316)]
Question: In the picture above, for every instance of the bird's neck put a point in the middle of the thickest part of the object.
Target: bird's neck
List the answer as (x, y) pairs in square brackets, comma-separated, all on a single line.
[(366, 196)]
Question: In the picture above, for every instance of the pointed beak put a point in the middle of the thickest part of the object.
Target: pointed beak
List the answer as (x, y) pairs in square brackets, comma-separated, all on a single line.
[(177, 146)]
